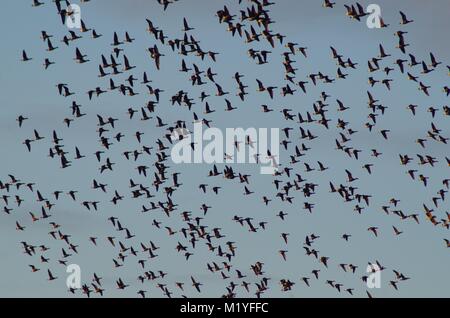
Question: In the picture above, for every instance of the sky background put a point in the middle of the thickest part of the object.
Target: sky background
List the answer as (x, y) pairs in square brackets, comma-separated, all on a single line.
[(27, 89)]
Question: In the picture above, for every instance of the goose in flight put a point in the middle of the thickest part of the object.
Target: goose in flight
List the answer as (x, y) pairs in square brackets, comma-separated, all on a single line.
[(21, 119), (404, 19), (328, 4), (36, 3), (50, 276), (79, 57), (25, 57)]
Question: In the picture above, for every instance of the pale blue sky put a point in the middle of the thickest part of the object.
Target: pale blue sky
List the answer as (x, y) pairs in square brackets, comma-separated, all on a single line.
[(27, 89)]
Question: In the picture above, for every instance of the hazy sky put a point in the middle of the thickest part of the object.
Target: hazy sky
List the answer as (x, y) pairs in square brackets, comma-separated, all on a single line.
[(26, 88)]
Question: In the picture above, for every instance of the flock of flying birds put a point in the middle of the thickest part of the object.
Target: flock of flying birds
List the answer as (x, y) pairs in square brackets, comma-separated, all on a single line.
[(159, 182)]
